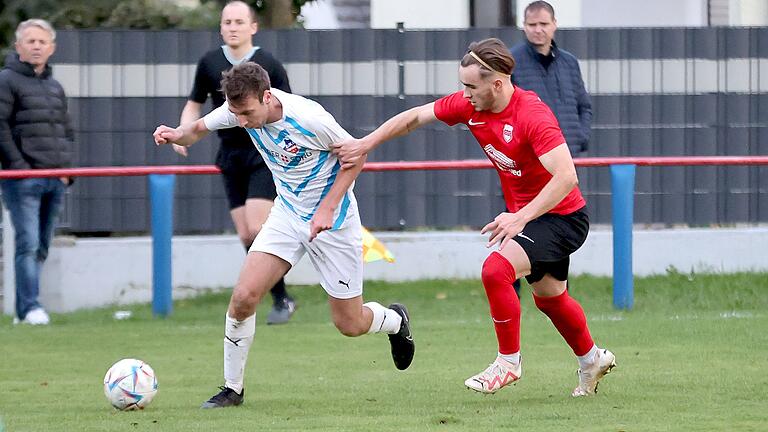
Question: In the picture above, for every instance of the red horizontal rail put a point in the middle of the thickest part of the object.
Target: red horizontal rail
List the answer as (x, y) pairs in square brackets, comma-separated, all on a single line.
[(389, 166)]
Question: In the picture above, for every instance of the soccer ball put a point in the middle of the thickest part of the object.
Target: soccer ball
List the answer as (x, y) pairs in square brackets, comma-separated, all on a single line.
[(130, 384)]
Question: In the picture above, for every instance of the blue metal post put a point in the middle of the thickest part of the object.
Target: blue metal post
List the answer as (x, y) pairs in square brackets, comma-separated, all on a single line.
[(161, 195), (622, 204)]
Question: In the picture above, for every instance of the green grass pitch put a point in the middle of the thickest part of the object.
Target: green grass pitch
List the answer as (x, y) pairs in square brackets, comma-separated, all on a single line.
[(692, 356)]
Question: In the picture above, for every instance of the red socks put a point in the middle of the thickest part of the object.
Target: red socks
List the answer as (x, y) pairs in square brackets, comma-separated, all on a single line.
[(569, 319), (498, 276), (564, 312)]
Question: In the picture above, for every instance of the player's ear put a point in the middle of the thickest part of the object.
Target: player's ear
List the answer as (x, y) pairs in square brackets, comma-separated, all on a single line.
[(266, 97)]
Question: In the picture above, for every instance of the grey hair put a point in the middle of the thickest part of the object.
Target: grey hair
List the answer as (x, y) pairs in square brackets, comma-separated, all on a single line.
[(35, 22)]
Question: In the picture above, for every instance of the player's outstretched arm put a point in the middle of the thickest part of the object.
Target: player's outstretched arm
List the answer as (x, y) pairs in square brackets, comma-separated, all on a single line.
[(189, 114), (323, 218), (402, 124), (185, 135)]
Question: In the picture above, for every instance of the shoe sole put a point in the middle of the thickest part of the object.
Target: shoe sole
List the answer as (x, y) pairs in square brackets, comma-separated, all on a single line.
[(481, 391), (214, 406), (607, 371)]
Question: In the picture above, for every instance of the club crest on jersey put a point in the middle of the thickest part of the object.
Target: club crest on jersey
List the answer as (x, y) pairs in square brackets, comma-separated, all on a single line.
[(502, 161), (290, 146), (507, 133)]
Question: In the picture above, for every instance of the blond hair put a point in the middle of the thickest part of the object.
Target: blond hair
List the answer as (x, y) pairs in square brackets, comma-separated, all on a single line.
[(35, 22)]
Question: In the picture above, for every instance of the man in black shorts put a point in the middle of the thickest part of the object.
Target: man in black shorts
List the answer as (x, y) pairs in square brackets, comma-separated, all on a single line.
[(247, 180)]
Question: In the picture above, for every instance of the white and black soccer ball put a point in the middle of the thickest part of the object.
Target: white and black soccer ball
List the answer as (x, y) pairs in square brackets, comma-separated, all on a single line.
[(130, 384)]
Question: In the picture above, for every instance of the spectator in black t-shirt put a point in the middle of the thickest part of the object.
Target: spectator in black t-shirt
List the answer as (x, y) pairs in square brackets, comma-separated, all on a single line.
[(247, 180)]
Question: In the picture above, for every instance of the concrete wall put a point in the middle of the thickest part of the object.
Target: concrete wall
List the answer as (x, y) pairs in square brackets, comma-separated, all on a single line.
[(87, 273)]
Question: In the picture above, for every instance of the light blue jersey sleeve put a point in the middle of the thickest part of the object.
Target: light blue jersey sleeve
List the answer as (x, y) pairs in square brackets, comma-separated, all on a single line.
[(220, 118)]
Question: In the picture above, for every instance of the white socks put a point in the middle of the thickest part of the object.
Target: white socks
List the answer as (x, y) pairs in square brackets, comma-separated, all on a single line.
[(238, 337), (384, 319), (588, 358), (512, 358)]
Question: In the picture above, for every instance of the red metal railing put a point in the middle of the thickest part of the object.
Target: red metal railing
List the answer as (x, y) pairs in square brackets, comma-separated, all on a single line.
[(390, 166)]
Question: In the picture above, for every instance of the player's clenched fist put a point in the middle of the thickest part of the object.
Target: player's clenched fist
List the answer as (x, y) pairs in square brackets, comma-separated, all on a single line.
[(164, 135), (349, 152)]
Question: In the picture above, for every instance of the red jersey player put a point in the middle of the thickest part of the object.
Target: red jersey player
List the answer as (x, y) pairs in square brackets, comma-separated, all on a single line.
[(546, 221)]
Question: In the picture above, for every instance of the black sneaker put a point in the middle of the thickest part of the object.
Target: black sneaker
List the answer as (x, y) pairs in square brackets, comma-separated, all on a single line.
[(282, 311), (403, 347), (225, 398)]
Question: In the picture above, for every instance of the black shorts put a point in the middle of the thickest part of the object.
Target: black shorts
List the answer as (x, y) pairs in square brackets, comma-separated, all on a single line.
[(549, 240), (245, 176)]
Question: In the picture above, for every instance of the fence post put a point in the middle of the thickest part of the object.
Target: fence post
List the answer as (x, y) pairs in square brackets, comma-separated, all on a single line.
[(161, 196), (622, 204)]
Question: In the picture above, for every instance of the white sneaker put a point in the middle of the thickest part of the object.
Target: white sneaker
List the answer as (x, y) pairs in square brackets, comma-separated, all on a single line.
[(590, 377), (496, 376), (37, 316)]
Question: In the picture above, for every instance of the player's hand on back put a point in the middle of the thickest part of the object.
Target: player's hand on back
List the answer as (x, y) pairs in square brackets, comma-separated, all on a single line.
[(349, 152), (166, 135), (503, 228)]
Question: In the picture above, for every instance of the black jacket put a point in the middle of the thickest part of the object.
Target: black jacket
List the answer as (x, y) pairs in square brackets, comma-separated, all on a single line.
[(35, 129), (561, 87)]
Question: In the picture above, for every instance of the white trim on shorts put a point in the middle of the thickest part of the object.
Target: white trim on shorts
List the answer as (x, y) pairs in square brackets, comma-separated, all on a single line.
[(337, 255)]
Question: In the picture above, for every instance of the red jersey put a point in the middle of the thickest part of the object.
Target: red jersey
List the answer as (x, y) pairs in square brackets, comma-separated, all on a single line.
[(513, 140)]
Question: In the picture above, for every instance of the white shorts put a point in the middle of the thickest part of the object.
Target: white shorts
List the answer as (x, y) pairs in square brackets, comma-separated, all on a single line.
[(337, 255)]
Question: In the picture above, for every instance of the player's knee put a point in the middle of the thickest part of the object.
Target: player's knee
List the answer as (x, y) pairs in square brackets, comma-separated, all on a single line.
[(243, 302), (496, 268)]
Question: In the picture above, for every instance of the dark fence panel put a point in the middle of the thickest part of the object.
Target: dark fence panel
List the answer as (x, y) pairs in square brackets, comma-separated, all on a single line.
[(655, 92)]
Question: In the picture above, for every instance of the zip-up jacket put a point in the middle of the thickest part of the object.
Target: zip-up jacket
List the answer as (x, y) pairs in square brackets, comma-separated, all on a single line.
[(35, 129), (560, 86)]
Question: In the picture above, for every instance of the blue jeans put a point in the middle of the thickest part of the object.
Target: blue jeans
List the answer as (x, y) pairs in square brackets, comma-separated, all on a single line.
[(34, 205)]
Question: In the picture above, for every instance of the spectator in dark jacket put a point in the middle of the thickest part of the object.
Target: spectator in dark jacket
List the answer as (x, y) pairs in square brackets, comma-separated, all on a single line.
[(553, 74), (35, 133)]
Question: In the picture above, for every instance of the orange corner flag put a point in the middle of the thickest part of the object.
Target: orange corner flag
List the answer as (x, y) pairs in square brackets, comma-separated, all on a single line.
[(374, 250)]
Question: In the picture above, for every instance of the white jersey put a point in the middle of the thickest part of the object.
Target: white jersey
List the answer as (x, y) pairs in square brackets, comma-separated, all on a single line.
[(296, 149)]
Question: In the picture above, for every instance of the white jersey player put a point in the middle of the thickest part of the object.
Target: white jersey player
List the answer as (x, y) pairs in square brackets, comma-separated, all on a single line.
[(315, 212), (296, 150)]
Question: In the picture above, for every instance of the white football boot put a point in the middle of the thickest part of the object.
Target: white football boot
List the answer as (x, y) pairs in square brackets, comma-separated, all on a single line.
[(590, 376), (499, 374)]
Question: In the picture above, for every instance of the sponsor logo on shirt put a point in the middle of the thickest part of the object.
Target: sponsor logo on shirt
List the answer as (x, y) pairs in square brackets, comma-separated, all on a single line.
[(290, 158), (290, 146), (502, 161), (507, 133)]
